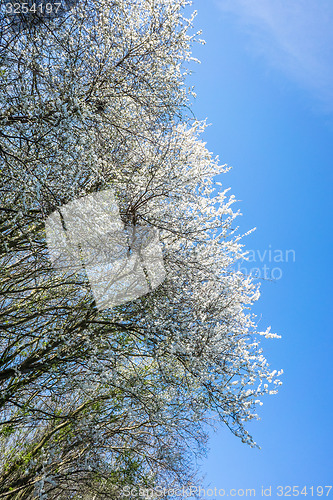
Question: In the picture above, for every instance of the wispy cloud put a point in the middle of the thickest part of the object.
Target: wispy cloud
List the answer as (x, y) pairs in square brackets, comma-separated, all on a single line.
[(295, 35)]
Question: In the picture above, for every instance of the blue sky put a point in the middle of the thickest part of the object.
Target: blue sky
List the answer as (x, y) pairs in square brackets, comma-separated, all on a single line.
[(265, 84)]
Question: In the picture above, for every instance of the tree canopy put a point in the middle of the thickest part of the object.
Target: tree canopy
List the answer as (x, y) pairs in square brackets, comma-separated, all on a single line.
[(93, 401)]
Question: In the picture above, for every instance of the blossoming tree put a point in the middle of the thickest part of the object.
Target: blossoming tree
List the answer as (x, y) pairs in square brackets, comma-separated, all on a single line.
[(92, 401)]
